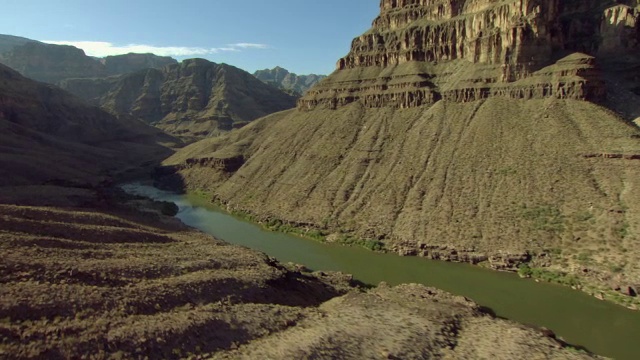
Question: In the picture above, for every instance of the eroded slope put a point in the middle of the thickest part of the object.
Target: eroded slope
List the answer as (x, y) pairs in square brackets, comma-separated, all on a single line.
[(484, 131)]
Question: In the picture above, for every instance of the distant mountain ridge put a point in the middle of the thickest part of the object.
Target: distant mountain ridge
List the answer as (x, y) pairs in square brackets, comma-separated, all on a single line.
[(285, 80), (48, 135), (195, 98), (8, 42), (54, 63)]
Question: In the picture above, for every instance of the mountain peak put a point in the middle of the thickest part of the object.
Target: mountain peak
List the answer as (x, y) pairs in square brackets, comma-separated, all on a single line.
[(288, 81)]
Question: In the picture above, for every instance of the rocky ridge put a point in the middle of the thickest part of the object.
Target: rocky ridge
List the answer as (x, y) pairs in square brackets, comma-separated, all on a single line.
[(193, 99), (43, 125)]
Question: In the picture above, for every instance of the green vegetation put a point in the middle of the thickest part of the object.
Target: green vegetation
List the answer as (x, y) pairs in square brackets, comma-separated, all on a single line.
[(507, 171), (278, 225), (551, 276), (616, 268), (584, 257), (373, 245), (623, 231), (583, 216), (546, 218)]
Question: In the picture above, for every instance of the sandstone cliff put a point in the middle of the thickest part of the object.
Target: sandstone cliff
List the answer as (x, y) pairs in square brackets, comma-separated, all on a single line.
[(418, 52), (195, 98), (129, 63), (287, 81), (472, 130)]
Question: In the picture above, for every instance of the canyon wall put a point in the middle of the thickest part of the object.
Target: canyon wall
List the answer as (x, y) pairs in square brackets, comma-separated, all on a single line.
[(420, 51)]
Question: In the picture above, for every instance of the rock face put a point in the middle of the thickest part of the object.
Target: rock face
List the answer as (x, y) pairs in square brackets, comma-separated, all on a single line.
[(54, 63), (419, 52), (283, 79), (459, 130), (196, 98)]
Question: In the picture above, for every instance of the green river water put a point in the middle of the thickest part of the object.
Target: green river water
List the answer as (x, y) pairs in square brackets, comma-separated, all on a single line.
[(581, 320)]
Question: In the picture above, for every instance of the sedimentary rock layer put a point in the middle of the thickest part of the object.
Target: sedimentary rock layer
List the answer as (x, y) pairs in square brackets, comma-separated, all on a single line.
[(477, 49)]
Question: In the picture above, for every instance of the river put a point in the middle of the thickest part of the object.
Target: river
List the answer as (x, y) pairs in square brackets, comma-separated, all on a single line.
[(601, 327)]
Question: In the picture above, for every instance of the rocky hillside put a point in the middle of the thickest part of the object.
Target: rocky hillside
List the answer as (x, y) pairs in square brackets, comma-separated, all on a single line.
[(115, 283), (193, 99), (49, 136), (283, 79), (8, 42), (54, 63), (494, 132)]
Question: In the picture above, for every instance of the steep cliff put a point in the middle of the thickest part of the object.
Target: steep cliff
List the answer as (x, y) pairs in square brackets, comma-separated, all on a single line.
[(418, 52), (195, 98), (475, 130), (287, 81)]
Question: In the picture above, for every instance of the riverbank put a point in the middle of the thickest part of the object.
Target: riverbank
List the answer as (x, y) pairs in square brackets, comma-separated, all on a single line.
[(611, 331), (545, 266), (92, 275)]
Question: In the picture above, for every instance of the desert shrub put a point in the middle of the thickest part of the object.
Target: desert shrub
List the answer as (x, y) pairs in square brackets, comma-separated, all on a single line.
[(168, 208), (545, 218), (524, 270)]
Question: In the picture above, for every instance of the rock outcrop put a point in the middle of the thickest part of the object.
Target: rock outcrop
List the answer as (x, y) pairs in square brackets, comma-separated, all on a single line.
[(287, 81), (418, 52), (193, 99)]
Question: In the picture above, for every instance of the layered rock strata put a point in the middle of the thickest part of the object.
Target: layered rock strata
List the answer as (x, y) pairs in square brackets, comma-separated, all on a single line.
[(418, 52)]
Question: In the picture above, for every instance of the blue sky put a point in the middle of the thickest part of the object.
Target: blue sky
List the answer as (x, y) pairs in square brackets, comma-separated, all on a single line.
[(304, 36)]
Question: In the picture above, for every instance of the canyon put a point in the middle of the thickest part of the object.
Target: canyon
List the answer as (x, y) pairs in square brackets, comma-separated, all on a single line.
[(88, 270), (496, 132), (460, 131)]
